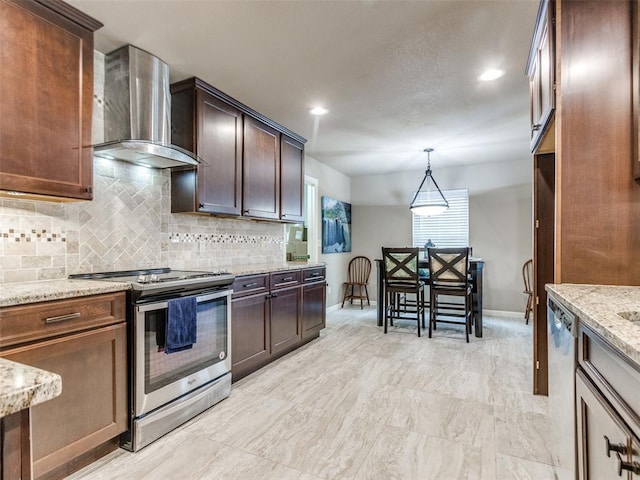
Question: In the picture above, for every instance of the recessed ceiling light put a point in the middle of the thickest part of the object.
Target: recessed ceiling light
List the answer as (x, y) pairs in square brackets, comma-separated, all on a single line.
[(318, 111), (491, 74)]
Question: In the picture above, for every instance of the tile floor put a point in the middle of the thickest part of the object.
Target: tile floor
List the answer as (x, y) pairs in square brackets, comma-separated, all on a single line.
[(358, 404)]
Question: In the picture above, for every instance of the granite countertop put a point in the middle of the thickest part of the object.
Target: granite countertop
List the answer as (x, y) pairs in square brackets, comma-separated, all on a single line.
[(45, 290), (597, 306), (22, 386), (252, 269)]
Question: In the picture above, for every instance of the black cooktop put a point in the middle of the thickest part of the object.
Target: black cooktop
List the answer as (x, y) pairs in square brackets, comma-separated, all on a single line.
[(161, 278)]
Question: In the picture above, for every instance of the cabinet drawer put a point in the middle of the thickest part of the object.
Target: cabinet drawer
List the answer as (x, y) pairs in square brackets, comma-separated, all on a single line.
[(26, 323), (313, 274), (617, 377), (250, 284), (285, 279)]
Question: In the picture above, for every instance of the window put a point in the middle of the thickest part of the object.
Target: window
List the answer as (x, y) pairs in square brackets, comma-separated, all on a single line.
[(449, 229)]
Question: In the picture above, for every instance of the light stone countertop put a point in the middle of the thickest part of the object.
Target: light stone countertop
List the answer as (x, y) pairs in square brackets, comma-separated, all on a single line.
[(597, 306), (254, 269), (46, 290), (22, 386)]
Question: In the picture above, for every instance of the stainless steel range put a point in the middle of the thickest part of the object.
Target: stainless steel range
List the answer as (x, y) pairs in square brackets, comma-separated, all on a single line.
[(169, 386)]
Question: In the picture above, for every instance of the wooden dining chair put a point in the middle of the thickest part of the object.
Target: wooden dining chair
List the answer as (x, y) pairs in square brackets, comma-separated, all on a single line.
[(401, 278), (449, 276), (527, 270), (357, 276)]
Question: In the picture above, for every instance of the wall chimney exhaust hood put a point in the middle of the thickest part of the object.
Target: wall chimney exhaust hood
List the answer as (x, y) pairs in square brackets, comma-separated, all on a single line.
[(137, 112)]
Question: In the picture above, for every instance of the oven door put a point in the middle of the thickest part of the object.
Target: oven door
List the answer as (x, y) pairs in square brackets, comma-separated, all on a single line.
[(159, 377)]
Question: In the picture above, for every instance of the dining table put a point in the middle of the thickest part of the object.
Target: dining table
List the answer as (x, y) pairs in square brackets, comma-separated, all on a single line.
[(476, 266)]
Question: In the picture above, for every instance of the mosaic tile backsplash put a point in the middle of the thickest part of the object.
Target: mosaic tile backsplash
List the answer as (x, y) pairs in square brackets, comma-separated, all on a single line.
[(128, 225)]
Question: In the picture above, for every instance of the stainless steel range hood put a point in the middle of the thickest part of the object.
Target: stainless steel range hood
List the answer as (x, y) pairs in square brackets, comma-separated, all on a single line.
[(137, 111)]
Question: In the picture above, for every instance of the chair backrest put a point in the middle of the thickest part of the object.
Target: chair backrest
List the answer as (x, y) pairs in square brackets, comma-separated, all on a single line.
[(400, 265), (449, 267), (359, 270), (526, 275)]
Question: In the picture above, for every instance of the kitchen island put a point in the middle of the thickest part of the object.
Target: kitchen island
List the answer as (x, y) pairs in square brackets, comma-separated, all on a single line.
[(601, 401), (21, 387)]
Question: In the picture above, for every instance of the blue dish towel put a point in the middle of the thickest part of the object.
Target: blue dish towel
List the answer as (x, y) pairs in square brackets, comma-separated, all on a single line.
[(181, 324)]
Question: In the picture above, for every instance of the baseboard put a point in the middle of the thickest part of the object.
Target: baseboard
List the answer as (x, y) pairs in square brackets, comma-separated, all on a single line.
[(503, 313), (338, 306)]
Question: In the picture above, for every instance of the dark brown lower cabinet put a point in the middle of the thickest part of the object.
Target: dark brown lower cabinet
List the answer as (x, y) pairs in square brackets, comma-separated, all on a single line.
[(273, 314), (314, 302), (285, 319), (250, 347)]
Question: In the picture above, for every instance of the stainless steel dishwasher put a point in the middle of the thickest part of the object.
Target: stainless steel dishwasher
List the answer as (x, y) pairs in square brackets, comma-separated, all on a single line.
[(561, 348)]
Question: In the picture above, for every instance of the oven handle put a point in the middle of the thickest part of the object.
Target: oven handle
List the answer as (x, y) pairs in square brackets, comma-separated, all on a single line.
[(199, 299)]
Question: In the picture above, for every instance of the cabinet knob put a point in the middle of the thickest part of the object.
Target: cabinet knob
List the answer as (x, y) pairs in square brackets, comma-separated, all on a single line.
[(614, 447), (633, 467), (200, 206)]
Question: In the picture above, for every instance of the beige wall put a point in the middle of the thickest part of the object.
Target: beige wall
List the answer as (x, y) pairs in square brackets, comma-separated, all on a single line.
[(500, 219), (337, 185)]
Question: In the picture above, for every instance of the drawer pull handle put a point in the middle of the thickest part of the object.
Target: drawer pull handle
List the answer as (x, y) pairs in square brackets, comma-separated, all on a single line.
[(62, 318), (288, 279), (614, 447), (317, 274), (633, 467), (248, 285)]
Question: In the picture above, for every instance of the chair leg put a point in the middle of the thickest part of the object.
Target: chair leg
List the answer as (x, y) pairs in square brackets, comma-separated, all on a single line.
[(367, 294), (467, 317), (344, 297), (432, 304), (360, 292), (529, 308), (386, 310), (422, 307), (418, 313)]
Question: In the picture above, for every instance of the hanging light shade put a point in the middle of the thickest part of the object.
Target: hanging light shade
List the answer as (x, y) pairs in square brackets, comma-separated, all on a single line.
[(429, 200)]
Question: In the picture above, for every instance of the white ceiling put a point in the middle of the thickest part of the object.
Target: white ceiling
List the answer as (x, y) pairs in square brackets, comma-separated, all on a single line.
[(397, 76)]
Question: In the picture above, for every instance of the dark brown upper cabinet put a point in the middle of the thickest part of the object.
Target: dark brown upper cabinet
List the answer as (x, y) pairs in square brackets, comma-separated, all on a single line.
[(291, 180), (252, 166), (261, 163), (212, 129), (542, 79), (46, 99)]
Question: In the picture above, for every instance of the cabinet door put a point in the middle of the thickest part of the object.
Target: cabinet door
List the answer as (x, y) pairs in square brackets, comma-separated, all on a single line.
[(46, 99), (261, 170), (285, 319), (219, 144), (313, 309), (92, 408), (249, 334), (291, 180), (542, 75), (597, 423)]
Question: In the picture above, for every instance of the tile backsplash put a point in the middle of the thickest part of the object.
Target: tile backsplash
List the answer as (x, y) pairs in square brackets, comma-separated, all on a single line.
[(128, 225)]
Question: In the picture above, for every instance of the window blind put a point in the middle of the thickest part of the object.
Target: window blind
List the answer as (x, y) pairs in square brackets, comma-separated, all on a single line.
[(449, 229)]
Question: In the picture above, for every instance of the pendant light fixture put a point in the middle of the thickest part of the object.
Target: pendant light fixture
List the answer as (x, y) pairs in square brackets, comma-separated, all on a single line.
[(428, 201)]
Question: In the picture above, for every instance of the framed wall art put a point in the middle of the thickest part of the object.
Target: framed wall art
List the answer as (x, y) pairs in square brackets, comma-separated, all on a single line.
[(336, 226)]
